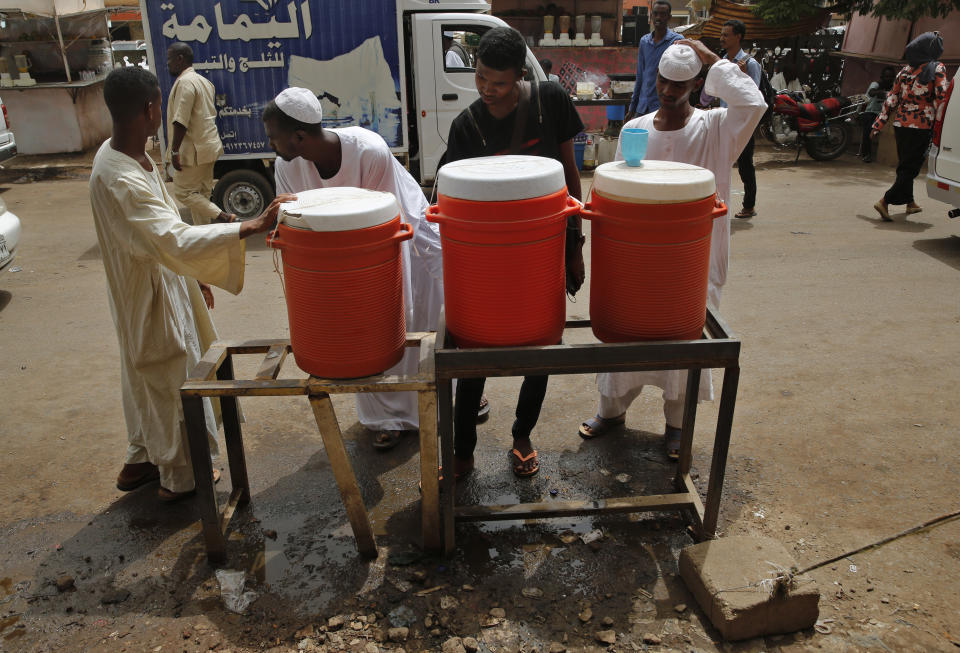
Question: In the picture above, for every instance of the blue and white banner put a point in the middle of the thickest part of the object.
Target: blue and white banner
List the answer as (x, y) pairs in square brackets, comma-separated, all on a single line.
[(345, 51)]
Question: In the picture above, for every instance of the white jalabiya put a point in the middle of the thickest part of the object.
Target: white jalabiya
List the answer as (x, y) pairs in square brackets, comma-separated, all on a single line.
[(711, 139), (152, 260), (368, 163)]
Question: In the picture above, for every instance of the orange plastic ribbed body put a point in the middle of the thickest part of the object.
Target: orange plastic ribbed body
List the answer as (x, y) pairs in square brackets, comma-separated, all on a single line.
[(649, 268), (344, 294), (503, 269)]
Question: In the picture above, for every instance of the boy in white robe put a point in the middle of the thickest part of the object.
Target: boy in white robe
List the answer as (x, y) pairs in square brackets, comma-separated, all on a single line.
[(710, 139), (153, 262), (309, 157)]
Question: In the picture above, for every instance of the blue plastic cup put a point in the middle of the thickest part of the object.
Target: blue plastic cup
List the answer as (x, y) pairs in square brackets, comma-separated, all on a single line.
[(633, 145)]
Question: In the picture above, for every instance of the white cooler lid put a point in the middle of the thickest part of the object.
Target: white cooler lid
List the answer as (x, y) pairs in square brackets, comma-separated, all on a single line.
[(339, 209), (654, 182), (501, 178)]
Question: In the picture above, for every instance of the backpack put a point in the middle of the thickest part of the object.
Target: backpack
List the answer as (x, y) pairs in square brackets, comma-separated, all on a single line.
[(768, 92)]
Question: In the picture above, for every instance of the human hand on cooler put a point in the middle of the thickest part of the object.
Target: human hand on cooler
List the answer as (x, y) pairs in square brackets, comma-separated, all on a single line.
[(266, 220)]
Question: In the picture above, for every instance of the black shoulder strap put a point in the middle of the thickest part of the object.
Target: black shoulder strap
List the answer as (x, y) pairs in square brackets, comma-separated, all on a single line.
[(520, 120), (476, 125)]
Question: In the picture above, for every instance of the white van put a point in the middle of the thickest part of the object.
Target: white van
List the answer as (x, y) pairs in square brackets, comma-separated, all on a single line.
[(8, 144), (943, 165)]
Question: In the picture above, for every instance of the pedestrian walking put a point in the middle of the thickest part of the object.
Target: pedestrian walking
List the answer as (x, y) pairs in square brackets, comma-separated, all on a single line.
[(194, 142), (308, 157), (651, 48), (915, 102), (513, 116), (877, 93), (157, 271), (709, 139)]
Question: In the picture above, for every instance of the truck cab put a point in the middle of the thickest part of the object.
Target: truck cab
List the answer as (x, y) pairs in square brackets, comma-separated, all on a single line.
[(439, 92), (943, 164), (382, 68)]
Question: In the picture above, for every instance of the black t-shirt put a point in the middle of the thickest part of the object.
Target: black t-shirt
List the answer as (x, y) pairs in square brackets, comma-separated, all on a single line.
[(551, 120)]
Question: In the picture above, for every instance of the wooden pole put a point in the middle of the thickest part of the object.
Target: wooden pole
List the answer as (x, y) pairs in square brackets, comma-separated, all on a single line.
[(63, 49)]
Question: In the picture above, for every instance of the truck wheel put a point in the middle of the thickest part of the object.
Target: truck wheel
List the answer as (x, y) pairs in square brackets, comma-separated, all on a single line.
[(243, 192)]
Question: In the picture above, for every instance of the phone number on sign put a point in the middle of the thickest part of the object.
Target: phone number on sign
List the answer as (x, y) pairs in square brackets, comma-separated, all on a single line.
[(244, 146)]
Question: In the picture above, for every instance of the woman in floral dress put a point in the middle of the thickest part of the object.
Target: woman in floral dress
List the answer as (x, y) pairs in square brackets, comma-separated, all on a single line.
[(915, 102)]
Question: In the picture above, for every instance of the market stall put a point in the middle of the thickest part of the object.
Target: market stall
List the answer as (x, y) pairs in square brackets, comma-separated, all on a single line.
[(54, 56), (582, 40)]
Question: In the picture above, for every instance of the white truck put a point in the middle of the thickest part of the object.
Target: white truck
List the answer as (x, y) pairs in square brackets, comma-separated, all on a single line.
[(943, 164), (374, 63)]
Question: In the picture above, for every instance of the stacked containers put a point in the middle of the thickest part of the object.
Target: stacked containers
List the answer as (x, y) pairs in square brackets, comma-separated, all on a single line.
[(650, 256), (343, 280), (503, 223)]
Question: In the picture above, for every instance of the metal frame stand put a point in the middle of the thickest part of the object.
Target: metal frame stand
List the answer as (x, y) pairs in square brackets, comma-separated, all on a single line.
[(717, 348), (214, 377)]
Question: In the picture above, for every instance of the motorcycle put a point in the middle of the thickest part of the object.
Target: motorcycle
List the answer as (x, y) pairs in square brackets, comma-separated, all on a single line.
[(819, 127)]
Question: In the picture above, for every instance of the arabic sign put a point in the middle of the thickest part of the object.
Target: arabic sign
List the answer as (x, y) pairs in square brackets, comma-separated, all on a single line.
[(345, 51)]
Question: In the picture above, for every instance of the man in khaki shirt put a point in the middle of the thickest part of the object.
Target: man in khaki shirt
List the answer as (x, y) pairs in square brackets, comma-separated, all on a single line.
[(194, 142)]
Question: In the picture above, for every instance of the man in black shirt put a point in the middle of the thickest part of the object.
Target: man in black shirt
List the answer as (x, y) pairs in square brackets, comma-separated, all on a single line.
[(548, 121)]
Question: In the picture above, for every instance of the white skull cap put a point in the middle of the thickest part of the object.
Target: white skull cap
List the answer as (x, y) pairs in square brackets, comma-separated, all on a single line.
[(680, 63), (300, 104)]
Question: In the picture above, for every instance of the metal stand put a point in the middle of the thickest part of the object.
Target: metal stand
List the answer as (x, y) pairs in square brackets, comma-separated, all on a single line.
[(718, 348), (218, 363)]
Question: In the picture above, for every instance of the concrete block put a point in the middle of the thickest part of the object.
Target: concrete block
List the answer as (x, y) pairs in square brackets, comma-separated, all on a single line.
[(724, 575)]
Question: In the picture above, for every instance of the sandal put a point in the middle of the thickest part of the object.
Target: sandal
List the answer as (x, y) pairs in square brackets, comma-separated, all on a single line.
[(597, 426), (134, 475), (520, 470), (913, 209), (484, 411), (745, 213), (882, 210), (385, 439), (671, 441)]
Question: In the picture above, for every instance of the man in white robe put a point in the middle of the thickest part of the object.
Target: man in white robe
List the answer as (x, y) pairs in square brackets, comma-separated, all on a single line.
[(309, 157), (710, 139), (153, 262)]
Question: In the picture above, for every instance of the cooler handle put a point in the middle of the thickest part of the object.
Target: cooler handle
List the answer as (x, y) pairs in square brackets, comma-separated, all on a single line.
[(434, 215), (573, 206), (587, 212), (405, 233), (273, 239)]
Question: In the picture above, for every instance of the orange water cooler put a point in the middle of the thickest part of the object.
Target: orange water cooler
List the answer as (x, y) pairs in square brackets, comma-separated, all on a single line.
[(650, 250), (503, 223), (343, 280)]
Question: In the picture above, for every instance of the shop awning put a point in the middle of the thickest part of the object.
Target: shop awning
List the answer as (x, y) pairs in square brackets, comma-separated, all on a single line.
[(723, 10), (57, 7)]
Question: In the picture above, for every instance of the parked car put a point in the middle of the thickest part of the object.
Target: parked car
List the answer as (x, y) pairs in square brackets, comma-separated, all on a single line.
[(8, 144), (943, 164), (9, 236)]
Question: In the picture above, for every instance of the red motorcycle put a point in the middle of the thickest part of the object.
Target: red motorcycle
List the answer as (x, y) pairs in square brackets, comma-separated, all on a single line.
[(822, 128)]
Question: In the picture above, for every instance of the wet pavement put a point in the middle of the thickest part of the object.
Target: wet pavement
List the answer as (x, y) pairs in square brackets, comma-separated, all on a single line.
[(844, 434)]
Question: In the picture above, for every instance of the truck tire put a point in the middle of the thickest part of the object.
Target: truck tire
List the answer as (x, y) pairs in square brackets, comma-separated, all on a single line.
[(826, 148), (245, 193)]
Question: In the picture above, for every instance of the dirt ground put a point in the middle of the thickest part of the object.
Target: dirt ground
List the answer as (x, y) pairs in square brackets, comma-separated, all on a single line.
[(846, 431)]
